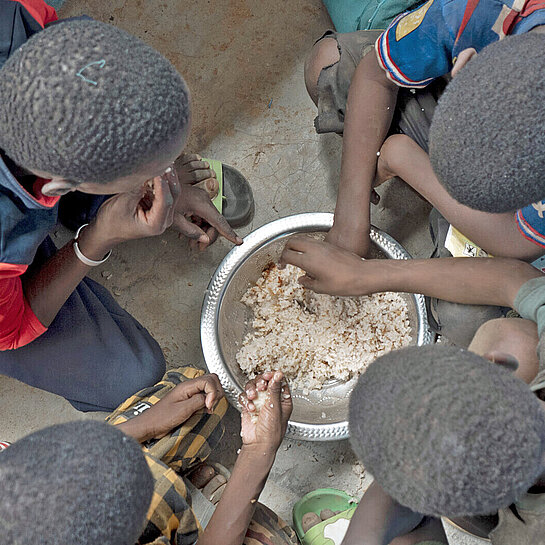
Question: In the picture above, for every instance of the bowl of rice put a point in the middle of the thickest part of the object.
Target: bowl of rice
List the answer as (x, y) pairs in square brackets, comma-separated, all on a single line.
[(256, 317)]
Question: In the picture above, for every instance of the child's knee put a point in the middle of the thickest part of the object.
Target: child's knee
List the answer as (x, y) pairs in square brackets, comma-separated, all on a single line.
[(149, 374), (324, 53), (389, 152)]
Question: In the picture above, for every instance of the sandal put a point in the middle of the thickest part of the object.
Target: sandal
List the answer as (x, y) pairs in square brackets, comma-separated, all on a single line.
[(235, 200), (322, 517)]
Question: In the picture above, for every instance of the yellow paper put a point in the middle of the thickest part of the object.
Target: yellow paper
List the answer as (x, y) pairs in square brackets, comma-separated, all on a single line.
[(460, 246)]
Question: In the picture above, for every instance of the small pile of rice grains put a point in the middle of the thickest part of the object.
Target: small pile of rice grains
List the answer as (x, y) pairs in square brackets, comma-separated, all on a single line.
[(314, 338)]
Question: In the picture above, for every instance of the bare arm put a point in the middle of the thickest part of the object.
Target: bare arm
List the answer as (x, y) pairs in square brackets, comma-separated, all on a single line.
[(498, 234), (48, 288), (379, 519), (234, 512), (478, 281), (369, 110), (261, 440), (120, 218), (492, 281)]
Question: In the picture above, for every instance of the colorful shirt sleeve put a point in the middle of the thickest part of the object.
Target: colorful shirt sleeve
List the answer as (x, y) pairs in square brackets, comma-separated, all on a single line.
[(18, 324), (531, 15), (40, 11), (416, 48), (531, 222)]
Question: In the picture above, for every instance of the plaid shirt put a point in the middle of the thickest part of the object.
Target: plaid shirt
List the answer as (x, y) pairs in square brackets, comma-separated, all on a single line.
[(170, 518)]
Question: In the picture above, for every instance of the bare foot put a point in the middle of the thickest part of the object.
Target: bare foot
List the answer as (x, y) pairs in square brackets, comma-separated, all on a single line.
[(192, 170)]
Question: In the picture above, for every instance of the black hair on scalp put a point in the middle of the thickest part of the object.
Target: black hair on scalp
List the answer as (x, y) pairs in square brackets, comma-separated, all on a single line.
[(487, 138), (80, 482), (446, 432), (88, 102)]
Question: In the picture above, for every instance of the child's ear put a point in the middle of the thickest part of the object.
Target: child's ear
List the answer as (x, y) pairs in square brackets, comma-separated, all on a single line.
[(58, 186), (462, 59), (502, 358)]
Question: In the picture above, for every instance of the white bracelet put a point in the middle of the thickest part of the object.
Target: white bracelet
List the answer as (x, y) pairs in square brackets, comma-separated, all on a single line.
[(81, 257)]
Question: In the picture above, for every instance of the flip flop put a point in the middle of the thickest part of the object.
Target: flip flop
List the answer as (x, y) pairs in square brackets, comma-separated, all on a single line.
[(330, 531), (235, 200)]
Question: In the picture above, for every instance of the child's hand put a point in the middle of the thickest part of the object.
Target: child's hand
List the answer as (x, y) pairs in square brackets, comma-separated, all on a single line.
[(267, 431), (145, 212), (195, 202), (329, 269), (175, 408)]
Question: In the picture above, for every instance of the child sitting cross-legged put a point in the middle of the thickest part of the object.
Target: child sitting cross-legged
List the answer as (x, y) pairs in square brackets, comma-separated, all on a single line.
[(87, 108)]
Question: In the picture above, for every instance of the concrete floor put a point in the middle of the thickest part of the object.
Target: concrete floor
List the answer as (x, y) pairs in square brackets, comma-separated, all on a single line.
[(243, 61)]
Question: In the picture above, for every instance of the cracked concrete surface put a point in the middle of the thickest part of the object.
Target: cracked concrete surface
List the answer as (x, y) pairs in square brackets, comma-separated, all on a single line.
[(243, 61)]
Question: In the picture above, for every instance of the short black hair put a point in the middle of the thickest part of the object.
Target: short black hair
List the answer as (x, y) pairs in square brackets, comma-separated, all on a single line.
[(80, 482), (487, 137), (88, 102), (446, 432)]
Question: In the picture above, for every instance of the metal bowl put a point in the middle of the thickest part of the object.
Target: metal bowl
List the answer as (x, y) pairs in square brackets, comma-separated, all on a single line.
[(225, 321)]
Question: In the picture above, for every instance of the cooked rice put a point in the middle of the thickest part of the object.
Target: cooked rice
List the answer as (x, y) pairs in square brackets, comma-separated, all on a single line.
[(313, 338)]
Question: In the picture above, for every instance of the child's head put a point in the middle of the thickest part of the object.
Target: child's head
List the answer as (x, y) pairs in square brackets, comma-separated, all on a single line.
[(81, 482), (89, 105), (487, 138), (446, 432)]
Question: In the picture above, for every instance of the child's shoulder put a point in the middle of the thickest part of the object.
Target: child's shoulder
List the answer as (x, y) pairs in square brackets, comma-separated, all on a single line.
[(19, 20)]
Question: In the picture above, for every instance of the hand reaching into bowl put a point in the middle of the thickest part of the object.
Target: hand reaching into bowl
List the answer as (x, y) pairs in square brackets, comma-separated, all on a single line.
[(330, 269)]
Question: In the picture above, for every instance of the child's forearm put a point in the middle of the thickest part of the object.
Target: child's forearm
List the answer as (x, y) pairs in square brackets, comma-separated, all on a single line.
[(477, 281), (498, 234), (379, 519), (369, 110), (48, 288), (234, 512)]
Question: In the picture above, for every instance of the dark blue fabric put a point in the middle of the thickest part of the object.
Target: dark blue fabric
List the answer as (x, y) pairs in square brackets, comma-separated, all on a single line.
[(16, 27), (95, 354), (24, 222)]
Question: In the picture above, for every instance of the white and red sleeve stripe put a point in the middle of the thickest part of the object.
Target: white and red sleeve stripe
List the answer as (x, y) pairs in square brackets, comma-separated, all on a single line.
[(527, 231), (382, 48)]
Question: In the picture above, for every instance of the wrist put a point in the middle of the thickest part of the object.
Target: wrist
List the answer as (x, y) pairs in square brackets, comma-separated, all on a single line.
[(92, 244), (375, 276), (258, 456), (136, 429)]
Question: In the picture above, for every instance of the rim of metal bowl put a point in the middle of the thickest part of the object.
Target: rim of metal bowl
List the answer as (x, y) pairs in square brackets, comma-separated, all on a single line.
[(227, 269)]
